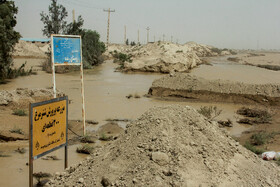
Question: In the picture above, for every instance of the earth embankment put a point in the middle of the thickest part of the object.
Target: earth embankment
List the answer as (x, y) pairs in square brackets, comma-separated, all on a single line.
[(171, 146), (187, 86)]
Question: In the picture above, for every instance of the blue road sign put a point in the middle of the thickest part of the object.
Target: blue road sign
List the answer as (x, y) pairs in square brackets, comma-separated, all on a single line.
[(67, 50)]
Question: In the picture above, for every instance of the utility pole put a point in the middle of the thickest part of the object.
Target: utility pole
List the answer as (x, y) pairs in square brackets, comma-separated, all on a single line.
[(154, 38), (138, 37), (73, 13), (163, 37), (125, 34), (148, 28), (108, 26)]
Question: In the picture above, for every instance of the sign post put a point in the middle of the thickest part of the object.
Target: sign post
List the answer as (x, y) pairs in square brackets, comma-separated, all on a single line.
[(48, 122), (67, 50)]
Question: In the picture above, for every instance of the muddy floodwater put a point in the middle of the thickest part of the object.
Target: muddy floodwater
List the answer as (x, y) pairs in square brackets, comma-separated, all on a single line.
[(225, 70), (105, 97)]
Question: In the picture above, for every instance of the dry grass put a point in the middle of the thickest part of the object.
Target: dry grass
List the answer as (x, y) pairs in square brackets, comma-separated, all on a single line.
[(85, 149), (19, 112), (210, 112)]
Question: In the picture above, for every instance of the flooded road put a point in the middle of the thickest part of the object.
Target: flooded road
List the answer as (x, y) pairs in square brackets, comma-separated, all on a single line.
[(105, 97)]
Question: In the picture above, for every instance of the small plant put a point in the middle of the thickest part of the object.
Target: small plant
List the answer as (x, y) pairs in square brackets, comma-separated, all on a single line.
[(179, 51), (16, 130), (104, 137), (209, 112), (21, 150), (19, 112), (122, 57), (253, 148), (261, 138), (85, 149), (86, 139), (3, 155)]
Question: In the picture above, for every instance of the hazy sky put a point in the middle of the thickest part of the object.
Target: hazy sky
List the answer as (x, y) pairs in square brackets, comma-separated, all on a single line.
[(238, 24)]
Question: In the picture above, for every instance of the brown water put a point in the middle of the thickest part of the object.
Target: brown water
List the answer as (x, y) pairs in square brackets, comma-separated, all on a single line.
[(225, 70), (14, 171), (105, 97)]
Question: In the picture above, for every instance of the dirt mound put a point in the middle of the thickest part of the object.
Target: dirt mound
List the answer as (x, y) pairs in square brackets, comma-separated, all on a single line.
[(163, 57), (171, 146), (185, 85), (28, 49), (23, 96)]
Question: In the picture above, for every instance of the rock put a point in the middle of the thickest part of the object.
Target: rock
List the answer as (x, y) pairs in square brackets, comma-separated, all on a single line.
[(105, 182), (92, 122), (160, 158), (81, 180)]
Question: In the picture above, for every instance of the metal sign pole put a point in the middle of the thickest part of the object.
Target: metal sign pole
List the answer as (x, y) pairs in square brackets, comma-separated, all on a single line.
[(30, 151), (83, 92), (44, 139), (53, 69), (66, 145)]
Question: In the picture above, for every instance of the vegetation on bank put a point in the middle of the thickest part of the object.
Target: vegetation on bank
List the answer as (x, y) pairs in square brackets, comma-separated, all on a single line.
[(253, 148), (8, 38), (55, 23), (254, 116)]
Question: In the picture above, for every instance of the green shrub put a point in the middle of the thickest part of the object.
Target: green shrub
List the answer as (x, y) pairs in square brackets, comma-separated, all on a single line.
[(86, 139), (16, 130), (19, 112), (104, 137), (253, 148), (8, 38), (216, 50), (122, 57), (261, 138)]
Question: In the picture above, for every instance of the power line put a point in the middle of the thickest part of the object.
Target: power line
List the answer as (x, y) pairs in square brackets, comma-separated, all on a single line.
[(84, 5), (148, 28), (108, 27)]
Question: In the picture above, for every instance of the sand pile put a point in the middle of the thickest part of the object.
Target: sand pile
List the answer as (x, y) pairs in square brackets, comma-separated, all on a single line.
[(163, 57), (28, 49), (171, 146), (185, 85), (201, 50), (23, 96)]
